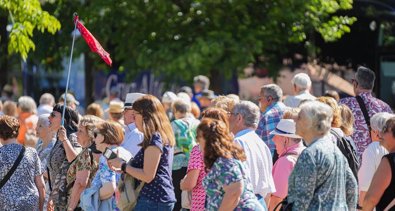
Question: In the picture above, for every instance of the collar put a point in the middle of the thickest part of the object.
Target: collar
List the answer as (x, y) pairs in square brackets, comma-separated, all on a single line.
[(304, 92), (365, 94), (131, 126), (271, 106), (243, 132)]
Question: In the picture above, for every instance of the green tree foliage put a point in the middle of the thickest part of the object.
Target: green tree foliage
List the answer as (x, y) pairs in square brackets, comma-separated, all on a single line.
[(26, 15), (185, 37)]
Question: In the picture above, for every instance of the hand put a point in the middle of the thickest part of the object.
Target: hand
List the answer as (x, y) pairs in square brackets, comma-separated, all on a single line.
[(50, 206), (62, 135), (115, 164)]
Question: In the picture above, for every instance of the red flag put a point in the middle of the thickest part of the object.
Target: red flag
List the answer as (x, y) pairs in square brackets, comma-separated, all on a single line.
[(94, 45)]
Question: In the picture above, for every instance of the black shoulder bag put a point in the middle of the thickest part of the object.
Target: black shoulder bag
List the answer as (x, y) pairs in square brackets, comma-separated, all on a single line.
[(364, 111), (13, 168)]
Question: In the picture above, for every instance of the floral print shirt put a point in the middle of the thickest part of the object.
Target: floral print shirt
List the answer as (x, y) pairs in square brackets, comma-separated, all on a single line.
[(361, 135), (322, 179), (103, 175), (198, 192), (225, 172), (20, 191), (83, 162)]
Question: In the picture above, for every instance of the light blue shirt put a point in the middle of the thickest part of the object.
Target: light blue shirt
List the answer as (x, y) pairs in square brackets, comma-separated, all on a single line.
[(133, 137)]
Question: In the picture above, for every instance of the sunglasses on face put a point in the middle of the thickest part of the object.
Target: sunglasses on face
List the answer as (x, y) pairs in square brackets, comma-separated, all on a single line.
[(95, 134), (52, 115)]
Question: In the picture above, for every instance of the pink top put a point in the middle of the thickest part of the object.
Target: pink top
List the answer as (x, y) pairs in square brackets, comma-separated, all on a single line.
[(283, 168), (198, 193)]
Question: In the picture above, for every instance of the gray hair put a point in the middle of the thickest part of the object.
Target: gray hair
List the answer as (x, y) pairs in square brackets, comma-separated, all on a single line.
[(273, 91), (249, 111), (365, 77), (378, 120), (181, 106), (302, 81), (27, 104), (43, 119), (319, 115), (47, 99)]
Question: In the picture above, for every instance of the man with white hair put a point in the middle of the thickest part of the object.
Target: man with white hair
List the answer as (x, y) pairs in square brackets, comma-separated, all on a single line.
[(272, 111), (243, 121), (321, 178), (47, 102), (301, 83)]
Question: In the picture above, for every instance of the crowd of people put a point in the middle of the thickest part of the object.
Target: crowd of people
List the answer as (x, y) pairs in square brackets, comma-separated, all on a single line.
[(197, 151)]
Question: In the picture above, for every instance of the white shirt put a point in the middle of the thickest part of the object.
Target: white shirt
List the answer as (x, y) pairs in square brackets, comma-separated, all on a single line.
[(259, 161), (133, 137), (371, 159), (294, 101)]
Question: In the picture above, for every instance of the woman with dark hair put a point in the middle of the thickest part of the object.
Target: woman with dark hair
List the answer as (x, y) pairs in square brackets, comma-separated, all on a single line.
[(24, 189), (226, 183), (152, 164), (64, 151)]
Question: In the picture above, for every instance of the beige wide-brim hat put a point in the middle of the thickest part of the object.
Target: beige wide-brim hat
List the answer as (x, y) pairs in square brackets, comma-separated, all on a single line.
[(115, 107), (286, 128), (131, 98)]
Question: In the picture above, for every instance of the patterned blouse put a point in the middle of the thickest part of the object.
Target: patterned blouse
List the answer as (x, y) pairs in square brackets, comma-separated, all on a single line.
[(198, 192), (57, 166), (104, 175), (83, 162), (322, 179), (44, 153), (373, 105), (20, 192), (185, 135), (225, 172)]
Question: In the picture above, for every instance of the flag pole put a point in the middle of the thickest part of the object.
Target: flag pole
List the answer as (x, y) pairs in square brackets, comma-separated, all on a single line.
[(68, 74)]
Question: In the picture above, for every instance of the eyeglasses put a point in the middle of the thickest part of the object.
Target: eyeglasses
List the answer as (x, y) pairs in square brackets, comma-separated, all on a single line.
[(353, 80), (52, 115)]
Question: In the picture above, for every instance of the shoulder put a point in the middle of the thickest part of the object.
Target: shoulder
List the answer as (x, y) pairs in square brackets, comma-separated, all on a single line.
[(347, 101)]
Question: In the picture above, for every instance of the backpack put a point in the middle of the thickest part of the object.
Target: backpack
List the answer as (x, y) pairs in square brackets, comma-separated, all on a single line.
[(345, 146)]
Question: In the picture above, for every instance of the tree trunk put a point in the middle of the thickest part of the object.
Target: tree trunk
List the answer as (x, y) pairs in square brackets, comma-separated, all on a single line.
[(89, 80), (3, 50), (216, 81)]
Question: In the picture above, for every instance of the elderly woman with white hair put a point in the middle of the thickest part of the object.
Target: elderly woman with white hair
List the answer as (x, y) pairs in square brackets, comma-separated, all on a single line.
[(373, 154), (321, 179), (45, 143)]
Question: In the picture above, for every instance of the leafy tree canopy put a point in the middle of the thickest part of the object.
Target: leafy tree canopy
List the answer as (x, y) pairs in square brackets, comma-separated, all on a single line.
[(189, 37), (25, 16)]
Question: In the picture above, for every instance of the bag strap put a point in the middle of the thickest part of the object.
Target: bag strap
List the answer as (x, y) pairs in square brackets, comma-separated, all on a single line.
[(13, 168), (364, 111)]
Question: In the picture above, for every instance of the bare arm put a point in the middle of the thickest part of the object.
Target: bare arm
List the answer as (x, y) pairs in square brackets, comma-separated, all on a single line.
[(71, 153), (107, 190), (274, 200), (380, 182), (79, 186), (190, 180), (152, 156), (39, 181), (232, 195), (362, 195)]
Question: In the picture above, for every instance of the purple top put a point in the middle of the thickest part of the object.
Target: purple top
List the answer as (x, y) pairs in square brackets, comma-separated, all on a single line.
[(373, 105), (160, 189)]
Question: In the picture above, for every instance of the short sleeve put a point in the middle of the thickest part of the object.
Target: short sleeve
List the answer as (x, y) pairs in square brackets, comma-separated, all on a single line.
[(84, 162), (106, 174), (280, 176), (156, 140), (367, 169), (196, 159), (229, 171), (37, 165), (74, 142)]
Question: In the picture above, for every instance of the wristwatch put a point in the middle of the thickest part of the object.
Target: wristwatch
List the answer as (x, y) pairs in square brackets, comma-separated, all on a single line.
[(123, 167)]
